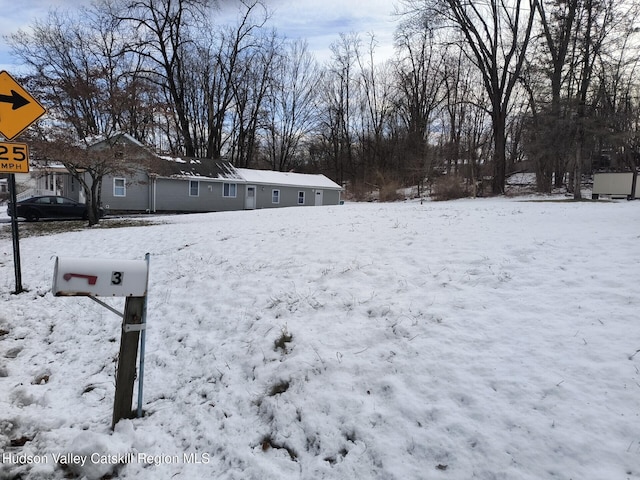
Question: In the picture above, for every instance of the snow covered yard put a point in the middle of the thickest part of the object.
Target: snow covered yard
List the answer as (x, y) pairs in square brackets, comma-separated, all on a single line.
[(489, 339)]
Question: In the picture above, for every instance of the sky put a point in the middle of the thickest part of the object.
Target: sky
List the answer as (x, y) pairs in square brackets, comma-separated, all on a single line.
[(318, 21)]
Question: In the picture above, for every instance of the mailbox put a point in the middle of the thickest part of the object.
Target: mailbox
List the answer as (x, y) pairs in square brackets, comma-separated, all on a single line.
[(99, 277)]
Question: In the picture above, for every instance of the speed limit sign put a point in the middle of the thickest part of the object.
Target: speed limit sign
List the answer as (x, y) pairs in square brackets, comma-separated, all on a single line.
[(14, 157)]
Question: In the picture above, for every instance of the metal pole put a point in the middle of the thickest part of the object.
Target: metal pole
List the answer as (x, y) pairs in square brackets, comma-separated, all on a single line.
[(14, 232), (143, 337)]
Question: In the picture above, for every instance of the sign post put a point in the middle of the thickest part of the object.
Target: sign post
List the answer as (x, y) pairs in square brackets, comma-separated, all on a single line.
[(14, 158), (18, 110), (15, 235)]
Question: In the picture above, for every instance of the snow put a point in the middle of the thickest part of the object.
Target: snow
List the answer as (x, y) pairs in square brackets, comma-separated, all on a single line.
[(272, 177), (489, 338)]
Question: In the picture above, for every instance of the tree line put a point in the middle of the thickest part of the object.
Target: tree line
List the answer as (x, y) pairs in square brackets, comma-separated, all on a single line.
[(475, 90)]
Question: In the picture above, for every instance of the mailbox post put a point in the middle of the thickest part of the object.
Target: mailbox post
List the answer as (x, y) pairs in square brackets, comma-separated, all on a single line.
[(113, 278), (126, 374)]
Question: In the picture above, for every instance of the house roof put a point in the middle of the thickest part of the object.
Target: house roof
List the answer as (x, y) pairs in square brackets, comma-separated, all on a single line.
[(117, 137), (287, 179), (182, 167)]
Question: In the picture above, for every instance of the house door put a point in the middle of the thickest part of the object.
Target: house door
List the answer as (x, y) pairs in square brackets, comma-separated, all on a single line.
[(250, 198), (319, 197)]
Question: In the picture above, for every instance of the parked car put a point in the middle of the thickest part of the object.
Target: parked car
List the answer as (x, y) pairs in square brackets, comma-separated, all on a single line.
[(49, 206)]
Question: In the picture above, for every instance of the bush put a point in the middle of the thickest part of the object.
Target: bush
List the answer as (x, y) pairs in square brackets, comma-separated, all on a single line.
[(389, 191), (449, 187)]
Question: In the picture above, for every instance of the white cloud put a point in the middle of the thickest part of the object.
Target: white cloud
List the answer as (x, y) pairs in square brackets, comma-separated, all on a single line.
[(322, 21), (318, 21), (20, 16)]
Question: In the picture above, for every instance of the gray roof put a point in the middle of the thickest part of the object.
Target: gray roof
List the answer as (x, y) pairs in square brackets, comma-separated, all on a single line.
[(202, 168), (182, 167)]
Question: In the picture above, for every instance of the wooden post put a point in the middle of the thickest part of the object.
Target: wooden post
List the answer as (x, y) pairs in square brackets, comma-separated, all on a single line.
[(126, 374)]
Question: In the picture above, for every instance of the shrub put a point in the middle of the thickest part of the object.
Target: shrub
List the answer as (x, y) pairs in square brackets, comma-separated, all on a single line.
[(449, 187), (389, 191)]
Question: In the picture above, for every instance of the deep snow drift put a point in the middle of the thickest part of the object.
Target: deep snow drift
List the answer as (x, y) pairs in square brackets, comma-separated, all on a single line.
[(490, 339)]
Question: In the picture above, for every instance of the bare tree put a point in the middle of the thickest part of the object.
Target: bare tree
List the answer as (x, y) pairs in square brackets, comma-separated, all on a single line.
[(567, 121), (421, 80), (495, 36), (617, 97), (250, 91), (162, 34), (221, 61), (90, 87), (594, 25), (338, 109), (465, 123), (557, 19), (376, 102), (291, 105)]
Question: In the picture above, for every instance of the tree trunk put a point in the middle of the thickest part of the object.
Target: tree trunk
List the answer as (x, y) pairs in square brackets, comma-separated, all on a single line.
[(93, 201), (544, 173), (577, 171), (499, 155)]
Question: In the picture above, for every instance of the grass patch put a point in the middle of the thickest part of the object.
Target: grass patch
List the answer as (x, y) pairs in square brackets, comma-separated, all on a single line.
[(268, 443), (54, 227), (279, 388), (281, 343)]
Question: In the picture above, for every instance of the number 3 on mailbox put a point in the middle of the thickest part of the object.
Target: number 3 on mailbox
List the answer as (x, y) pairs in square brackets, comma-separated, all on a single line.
[(116, 278)]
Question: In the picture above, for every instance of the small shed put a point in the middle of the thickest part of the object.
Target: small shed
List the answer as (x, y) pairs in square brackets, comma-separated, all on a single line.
[(615, 185)]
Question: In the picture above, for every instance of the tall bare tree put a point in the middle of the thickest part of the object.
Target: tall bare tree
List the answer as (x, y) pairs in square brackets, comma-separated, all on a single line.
[(90, 86), (421, 80), (617, 92), (291, 108), (221, 59), (464, 123), (250, 91), (375, 105), (557, 19), (339, 108), (162, 33), (594, 25), (495, 35)]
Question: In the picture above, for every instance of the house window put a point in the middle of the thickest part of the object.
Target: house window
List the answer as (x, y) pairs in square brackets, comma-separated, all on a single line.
[(275, 196), (300, 198), (229, 190), (194, 188), (119, 187)]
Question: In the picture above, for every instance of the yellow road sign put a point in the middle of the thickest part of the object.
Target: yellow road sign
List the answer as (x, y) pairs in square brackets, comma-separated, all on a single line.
[(18, 109), (14, 157)]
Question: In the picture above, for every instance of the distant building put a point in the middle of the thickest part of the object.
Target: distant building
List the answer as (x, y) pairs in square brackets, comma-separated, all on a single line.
[(155, 183)]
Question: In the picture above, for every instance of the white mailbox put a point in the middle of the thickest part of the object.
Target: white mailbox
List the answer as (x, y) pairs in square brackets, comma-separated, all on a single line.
[(99, 277)]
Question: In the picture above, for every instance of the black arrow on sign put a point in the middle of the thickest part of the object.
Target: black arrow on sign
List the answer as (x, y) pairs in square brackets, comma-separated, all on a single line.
[(15, 98)]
